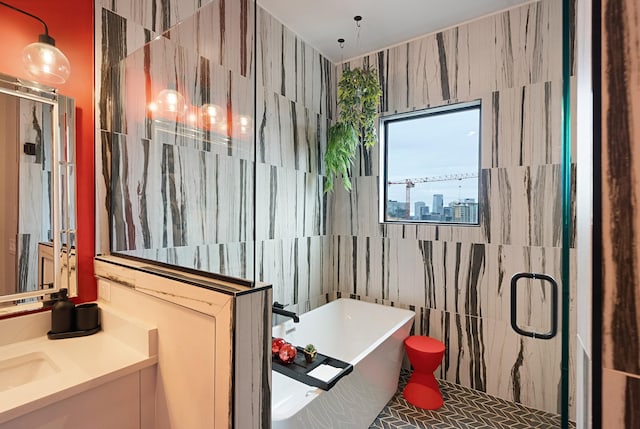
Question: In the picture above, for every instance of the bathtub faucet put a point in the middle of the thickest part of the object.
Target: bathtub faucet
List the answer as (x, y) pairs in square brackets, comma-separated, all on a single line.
[(279, 309)]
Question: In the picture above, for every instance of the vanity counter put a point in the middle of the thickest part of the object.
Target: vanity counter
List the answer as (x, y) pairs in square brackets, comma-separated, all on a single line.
[(36, 372)]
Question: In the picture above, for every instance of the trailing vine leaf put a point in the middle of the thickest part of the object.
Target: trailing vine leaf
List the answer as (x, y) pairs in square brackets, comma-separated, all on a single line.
[(358, 100), (342, 141)]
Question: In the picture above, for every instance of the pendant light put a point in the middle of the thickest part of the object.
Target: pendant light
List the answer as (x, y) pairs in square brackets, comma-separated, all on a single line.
[(43, 61)]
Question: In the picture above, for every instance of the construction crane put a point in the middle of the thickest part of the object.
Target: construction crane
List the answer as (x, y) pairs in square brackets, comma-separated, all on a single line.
[(411, 183)]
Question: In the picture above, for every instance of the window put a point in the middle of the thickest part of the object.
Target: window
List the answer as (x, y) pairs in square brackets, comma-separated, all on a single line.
[(430, 165)]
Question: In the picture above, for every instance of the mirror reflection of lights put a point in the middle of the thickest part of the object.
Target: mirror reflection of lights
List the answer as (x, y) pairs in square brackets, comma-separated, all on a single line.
[(171, 105), (170, 101), (211, 113), (245, 124)]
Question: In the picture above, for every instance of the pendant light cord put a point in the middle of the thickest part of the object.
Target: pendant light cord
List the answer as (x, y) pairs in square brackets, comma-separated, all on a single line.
[(46, 29), (358, 35), (42, 60)]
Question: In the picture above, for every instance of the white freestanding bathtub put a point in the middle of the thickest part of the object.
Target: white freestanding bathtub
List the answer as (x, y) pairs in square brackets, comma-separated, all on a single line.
[(370, 337)]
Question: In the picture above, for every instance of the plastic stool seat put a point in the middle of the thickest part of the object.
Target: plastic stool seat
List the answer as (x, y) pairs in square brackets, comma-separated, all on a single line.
[(425, 355)]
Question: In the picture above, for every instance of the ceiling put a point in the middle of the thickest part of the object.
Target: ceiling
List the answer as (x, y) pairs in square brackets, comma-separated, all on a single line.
[(384, 22)]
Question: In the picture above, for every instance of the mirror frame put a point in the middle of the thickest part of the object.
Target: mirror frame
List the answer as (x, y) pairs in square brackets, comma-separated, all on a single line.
[(63, 131)]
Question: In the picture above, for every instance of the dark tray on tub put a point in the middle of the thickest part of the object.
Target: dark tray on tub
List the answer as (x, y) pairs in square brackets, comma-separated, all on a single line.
[(299, 369)]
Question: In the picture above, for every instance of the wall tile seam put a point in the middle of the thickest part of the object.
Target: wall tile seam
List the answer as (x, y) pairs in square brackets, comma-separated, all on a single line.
[(483, 169), (473, 96), (129, 21), (153, 36), (291, 169), (480, 95), (417, 307), (291, 238), (188, 246), (132, 20), (219, 152), (267, 90), (171, 24), (426, 229), (267, 240)]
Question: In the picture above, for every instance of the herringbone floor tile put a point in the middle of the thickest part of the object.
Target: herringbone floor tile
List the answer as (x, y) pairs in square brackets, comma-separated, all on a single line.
[(463, 408)]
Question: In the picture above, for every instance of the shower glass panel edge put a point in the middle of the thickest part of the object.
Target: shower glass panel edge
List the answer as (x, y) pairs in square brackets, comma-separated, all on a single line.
[(566, 208)]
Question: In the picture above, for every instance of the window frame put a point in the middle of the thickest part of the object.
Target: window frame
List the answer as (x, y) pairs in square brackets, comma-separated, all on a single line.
[(383, 155)]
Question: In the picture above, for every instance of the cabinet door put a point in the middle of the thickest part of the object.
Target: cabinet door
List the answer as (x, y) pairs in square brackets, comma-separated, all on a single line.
[(112, 405)]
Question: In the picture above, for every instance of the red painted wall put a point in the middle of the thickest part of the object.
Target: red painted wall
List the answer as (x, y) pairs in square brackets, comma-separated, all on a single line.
[(70, 23)]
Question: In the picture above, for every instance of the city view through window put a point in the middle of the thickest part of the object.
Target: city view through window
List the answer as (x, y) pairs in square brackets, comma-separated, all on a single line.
[(432, 165)]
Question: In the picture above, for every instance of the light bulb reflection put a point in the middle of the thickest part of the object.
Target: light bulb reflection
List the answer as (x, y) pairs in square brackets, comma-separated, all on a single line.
[(212, 118), (171, 102), (211, 114), (244, 125)]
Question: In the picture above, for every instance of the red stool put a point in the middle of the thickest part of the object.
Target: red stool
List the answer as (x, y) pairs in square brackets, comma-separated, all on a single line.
[(425, 354)]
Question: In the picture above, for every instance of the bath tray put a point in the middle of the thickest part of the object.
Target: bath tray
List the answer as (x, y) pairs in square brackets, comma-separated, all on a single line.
[(299, 369)]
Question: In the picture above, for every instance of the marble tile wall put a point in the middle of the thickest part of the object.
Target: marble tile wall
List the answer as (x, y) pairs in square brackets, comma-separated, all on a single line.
[(620, 192), (295, 104), (178, 190), (458, 278), (182, 201)]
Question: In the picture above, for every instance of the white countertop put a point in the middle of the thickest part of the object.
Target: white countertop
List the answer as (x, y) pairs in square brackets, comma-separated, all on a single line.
[(124, 346)]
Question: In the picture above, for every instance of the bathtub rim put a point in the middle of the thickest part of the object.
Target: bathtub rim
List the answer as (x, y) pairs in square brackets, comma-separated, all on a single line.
[(310, 392), (409, 316)]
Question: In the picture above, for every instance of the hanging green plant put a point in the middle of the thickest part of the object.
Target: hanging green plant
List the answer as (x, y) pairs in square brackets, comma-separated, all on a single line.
[(358, 100)]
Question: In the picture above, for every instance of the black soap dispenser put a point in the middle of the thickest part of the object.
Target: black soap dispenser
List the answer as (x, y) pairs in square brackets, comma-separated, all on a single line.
[(62, 314)]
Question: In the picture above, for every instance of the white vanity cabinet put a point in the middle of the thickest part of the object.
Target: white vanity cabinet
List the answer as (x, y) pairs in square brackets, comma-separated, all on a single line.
[(178, 350), (116, 404), (98, 381)]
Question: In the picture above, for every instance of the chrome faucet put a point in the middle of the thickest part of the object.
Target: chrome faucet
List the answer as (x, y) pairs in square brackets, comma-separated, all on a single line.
[(278, 308)]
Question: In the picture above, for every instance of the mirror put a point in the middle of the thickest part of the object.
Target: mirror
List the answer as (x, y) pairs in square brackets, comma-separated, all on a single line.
[(37, 185)]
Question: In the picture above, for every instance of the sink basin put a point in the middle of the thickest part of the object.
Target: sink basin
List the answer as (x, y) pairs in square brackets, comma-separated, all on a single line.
[(24, 369)]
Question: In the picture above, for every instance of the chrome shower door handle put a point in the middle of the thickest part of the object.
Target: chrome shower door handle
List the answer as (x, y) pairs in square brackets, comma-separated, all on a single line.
[(554, 305)]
